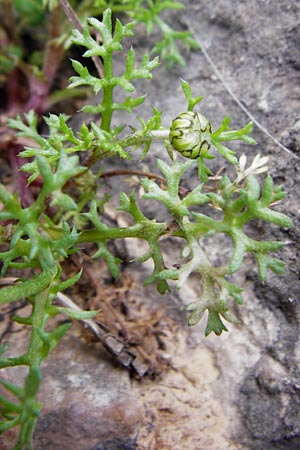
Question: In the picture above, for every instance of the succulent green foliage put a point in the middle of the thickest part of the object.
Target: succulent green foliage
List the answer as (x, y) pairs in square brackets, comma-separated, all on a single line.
[(40, 291), (54, 149), (68, 211), (150, 13), (39, 242), (187, 91), (240, 200), (143, 228), (146, 135), (240, 205), (62, 141), (24, 410), (225, 134), (151, 231), (29, 230), (111, 43), (167, 48)]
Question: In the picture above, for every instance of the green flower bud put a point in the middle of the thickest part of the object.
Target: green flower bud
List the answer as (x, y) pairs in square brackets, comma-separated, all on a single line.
[(190, 134)]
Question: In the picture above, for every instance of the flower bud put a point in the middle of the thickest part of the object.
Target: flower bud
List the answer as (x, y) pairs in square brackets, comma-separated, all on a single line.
[(190, 134)]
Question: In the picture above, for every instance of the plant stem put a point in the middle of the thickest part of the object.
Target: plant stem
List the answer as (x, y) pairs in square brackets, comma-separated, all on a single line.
[(139, 173), (107, 100), (39, 316), (139, 230), (28, 288), (72, 16), (138, 138), (159, 135)]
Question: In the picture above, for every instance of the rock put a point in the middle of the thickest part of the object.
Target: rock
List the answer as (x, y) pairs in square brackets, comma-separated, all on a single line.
[(87, 400), (88, 403)]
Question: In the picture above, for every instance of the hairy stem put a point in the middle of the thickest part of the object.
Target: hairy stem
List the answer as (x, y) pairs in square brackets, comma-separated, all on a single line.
[(107, 100), (139, 230)]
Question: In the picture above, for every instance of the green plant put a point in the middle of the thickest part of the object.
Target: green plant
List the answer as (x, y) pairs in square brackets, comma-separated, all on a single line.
[(67, 213), (37, 56)]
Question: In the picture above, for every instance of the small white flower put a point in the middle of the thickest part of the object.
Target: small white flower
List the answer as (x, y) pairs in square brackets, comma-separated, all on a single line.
[(258, 166)]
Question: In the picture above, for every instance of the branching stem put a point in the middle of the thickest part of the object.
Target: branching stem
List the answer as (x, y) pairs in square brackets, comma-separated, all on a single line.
[(72, 16)]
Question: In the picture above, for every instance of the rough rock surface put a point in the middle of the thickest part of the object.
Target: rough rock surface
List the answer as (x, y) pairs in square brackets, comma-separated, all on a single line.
[(240, 391), (255, 46), (89, 402)]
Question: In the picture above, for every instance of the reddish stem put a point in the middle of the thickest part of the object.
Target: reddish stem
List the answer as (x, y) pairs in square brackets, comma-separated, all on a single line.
[(38, 90), (20, 178), (15, 93)]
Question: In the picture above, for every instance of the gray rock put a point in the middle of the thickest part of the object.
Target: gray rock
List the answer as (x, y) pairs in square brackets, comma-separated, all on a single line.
[(88, 403)]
